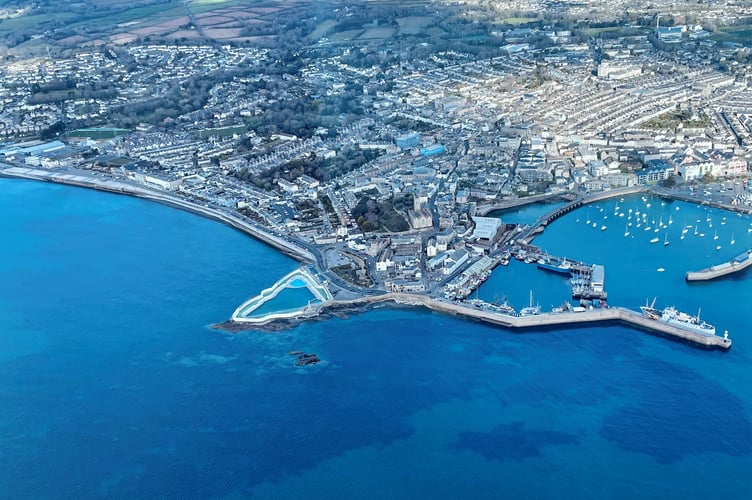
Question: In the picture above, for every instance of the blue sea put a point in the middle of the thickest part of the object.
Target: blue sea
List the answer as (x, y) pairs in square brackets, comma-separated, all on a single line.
[(113, 384)]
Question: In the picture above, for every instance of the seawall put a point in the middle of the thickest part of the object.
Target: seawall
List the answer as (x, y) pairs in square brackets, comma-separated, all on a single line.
[(547, 320), (86, 180)]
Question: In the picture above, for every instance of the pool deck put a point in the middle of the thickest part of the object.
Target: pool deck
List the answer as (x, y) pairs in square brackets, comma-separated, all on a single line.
[(319, 291)]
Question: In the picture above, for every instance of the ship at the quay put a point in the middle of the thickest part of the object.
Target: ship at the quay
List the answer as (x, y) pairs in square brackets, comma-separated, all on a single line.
[(673, 316)]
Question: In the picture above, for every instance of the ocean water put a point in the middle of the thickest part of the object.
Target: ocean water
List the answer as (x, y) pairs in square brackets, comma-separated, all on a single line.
[(113, 385)]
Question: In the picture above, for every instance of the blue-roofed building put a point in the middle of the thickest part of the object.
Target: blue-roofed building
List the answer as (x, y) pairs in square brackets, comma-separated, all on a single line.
[(433, 149)]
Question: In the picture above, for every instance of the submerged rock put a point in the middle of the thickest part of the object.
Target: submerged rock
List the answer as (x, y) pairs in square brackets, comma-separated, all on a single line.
[(307, 359)]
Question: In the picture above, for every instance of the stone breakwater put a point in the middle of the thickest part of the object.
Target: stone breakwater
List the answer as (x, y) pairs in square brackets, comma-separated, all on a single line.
[(338, 308)]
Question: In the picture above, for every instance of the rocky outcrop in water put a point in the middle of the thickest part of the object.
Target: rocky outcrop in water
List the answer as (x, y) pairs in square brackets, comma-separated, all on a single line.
[(306, 359)]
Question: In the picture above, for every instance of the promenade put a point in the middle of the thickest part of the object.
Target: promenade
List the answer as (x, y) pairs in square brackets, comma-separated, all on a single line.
[(85, 179)]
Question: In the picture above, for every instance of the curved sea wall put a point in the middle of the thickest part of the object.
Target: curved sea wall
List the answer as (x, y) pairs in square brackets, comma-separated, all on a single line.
[(84, 179)]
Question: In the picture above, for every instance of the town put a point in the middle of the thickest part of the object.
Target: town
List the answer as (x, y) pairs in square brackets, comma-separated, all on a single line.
[(379, 161)]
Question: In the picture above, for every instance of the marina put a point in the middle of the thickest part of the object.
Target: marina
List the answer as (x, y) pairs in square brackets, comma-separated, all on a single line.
[(587, 280)]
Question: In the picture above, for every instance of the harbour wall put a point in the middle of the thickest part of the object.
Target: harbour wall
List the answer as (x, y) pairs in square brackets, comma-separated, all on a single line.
[(720, 270), (547, 320)]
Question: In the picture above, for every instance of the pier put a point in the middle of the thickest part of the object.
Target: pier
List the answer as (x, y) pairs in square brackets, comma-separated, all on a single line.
[(735, 265), (571, 318), (587, 280)]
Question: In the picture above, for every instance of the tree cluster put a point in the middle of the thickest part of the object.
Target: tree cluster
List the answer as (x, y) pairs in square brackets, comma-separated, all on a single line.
[(372, 215)]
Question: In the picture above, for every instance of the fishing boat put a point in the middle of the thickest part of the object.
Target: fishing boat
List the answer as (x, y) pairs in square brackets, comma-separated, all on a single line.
[(561, 266), (655, 240)]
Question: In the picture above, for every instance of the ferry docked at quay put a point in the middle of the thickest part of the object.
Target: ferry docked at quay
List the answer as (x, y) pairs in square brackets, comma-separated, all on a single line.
[(671, 316)]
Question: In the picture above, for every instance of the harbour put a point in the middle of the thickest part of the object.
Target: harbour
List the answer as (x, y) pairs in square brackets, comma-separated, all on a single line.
[(587, 280)]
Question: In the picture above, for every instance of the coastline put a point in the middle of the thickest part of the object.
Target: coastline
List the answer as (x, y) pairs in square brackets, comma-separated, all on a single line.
[(343, 308), (621, 315), (86, 180)]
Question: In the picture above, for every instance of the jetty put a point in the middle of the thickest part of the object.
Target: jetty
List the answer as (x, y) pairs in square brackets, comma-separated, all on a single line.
[(735, 265), (588, 280)]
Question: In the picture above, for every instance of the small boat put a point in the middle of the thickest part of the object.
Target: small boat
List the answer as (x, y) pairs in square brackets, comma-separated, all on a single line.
[(647, 228), (595, 224), (665, 240), (603, 227), (732, 239), (715, 236), (660, 269), (718, 247), (655, 240), (530, 310)]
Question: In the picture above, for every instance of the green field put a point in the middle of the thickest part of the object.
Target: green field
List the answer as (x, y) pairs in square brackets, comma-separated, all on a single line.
[(201, 6), (322, 29), (518, 20), (738, 34), (148, 13), (345, 36), (23, 22), (595, 32), (414, 25), (98, 133)]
